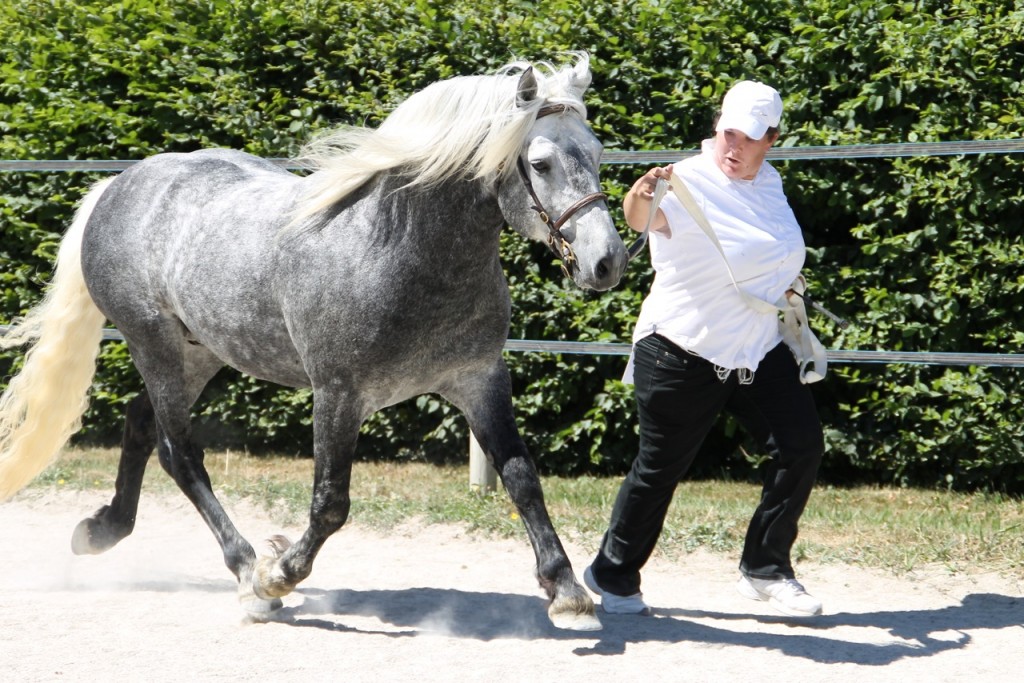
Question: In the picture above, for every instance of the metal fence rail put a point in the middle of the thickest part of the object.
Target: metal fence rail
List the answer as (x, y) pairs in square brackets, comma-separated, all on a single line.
[(876, 151), (834, 355), (839, 356)]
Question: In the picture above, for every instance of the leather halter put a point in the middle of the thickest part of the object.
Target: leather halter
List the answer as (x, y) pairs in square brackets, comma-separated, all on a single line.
[(559, 245)]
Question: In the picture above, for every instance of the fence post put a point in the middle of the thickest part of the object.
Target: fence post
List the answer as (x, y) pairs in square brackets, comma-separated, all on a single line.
[(482, 477)]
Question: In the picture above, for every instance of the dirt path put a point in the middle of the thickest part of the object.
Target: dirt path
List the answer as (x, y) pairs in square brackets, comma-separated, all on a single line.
[(432, 604)]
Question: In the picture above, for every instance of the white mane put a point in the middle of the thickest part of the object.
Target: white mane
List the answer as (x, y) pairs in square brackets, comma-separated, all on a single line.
[(468, 126)]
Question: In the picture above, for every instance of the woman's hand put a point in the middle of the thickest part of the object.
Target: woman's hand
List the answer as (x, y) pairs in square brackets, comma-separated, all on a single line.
[(650, 179), (637, 204)]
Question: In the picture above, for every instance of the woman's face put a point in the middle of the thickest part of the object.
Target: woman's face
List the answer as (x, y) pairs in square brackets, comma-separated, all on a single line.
[(738, 156)]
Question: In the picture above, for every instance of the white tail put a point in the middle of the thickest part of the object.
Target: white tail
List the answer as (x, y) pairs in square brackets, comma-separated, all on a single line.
[(43, 404)]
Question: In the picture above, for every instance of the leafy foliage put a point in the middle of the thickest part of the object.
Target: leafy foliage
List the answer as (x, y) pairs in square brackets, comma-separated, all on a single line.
[(922, 253)]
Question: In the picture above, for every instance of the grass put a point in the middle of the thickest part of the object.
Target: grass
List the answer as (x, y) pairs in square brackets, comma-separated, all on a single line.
[(894, 529)]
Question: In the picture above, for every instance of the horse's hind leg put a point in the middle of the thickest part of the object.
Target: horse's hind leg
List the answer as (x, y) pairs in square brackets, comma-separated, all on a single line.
[(175, 373), (487, 405), (113, 522)]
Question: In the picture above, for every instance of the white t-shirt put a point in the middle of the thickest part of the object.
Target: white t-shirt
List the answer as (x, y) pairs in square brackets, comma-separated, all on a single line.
[(693, 301)]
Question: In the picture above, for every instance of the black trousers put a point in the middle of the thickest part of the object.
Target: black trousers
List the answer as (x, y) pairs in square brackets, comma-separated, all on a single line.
[(679, 396)]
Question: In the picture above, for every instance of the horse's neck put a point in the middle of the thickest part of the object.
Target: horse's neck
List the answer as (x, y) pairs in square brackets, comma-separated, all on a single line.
[(457, 210)]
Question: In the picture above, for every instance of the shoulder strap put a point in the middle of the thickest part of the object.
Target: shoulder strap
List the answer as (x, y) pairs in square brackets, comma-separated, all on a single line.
[(810, 354), (682, 193)]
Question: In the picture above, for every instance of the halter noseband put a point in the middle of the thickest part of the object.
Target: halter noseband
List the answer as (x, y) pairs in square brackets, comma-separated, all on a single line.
[(559, 245)]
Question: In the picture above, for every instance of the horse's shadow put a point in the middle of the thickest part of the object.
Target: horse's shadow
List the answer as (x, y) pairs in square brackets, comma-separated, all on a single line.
[(456, 613), (491, 616)]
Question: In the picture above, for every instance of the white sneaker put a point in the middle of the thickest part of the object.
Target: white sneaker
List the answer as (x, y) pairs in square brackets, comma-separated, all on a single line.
[(785, 595), (617, 604)]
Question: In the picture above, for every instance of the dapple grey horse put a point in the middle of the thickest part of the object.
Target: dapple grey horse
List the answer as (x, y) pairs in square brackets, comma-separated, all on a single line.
[(372, 279)]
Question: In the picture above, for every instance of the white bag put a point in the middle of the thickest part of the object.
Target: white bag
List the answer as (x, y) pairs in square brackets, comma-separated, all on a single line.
[(809, 353)]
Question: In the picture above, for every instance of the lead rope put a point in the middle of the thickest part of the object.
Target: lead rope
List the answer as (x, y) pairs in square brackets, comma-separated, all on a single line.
[(660, 188)]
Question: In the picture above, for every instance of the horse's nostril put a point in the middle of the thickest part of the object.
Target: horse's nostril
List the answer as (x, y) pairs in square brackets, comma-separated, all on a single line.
[(602, 269)]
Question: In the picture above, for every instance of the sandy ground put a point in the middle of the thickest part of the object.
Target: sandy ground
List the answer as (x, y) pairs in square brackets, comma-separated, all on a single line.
[(435, 604)]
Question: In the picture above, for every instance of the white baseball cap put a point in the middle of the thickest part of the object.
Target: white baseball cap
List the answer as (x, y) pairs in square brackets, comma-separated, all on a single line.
[(752, 108)]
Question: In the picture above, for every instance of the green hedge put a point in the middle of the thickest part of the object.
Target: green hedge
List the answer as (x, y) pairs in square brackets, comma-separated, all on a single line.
[(922, 253)]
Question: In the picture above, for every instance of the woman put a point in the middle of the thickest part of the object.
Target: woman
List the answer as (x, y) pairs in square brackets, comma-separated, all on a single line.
[(700, 348)]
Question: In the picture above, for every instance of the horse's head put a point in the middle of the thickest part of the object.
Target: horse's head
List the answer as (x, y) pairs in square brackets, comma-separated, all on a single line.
[(555, 196)]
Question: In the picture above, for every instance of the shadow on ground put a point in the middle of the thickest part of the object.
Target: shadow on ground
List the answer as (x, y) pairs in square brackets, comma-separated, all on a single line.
[(897, 634)]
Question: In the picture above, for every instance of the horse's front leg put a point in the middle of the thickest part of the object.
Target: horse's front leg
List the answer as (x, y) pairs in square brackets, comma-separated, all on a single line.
[(335, 429), (487, 405)]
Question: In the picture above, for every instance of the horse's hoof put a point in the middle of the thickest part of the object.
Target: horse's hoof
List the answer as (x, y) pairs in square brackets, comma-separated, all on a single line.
[(268, 582), (256, 607), (92, 537), (574, 612), (576, 622), (99, 533), (81, 539)]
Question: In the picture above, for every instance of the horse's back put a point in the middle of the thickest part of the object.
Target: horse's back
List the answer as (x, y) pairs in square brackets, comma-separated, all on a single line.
[(197, 245), (193, 237)]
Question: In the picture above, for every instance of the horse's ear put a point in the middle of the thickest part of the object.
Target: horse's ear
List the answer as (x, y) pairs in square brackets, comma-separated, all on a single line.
[(527, 91), (581, 76)]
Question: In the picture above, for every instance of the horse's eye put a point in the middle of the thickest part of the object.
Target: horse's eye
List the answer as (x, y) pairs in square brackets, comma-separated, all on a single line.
[(540, 166)]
